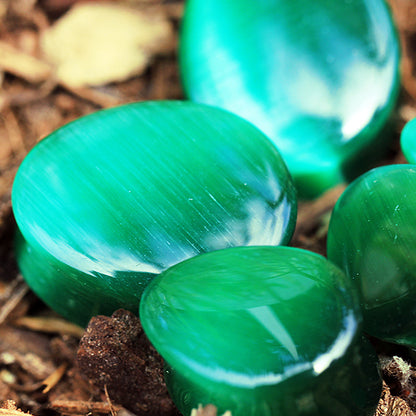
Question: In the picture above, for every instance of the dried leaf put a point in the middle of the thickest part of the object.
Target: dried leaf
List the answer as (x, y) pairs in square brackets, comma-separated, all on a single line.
[(94, 44)]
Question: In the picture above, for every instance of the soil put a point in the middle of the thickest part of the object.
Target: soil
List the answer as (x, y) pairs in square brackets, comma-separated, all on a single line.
[(51, 367)]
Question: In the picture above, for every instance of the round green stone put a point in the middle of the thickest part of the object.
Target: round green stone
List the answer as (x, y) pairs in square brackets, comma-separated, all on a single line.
[(408, 141), (320, 77), (108, 201), (372, 237), (262, 331)]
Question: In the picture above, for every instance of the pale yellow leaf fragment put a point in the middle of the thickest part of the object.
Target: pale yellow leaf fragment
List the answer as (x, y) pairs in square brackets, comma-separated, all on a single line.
[(98, 43)]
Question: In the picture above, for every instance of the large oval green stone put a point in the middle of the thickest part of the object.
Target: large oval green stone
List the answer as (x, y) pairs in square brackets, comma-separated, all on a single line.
[(372, 237), (110, 200), (261, 331), (319, 77)]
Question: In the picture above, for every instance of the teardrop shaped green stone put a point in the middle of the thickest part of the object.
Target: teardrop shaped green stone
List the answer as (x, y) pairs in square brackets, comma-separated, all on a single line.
[(262, 331), (372, 238), (108, 201), (320, 77)]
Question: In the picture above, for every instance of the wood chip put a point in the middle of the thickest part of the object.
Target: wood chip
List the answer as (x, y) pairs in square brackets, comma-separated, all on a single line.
[(9, 408), (27, 96), (76, 407), (14, 132), (15, 298), (404, 12), (33, 364), (208, 410), (50, 325), (23, 65), (22, 7), (407, 112), (391, 405)]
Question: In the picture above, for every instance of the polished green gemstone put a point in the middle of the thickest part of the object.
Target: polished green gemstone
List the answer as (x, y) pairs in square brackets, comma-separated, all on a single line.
[(408, 141), (319, 77), (114, 198), (262, 331), (372, 238)]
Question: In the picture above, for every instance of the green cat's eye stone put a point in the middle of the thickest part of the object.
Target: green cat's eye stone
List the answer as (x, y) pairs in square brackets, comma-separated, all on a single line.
[(108, 201), (261, 331), (372, 237), (319, 77), (408, 141)]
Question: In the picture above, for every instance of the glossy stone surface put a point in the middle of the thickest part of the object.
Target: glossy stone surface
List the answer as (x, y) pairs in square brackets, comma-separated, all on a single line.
[(319, 77), (114, 198), (372, 237), (408, 141), (261, 331)]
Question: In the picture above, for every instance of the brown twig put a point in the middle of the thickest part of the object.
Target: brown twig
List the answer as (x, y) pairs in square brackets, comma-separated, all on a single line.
[(107, 396), (81, 407), (15, 298), (310, 213), (96, 97), (14, 132)]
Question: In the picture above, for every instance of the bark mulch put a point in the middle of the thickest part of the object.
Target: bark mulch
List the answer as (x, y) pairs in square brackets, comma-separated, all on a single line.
[(49, 366)]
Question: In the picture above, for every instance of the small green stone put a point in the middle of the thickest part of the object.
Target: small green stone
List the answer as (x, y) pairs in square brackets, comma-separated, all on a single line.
[(114, 198), (408, 141), (262, 331), (372, 238), (319, 77)]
